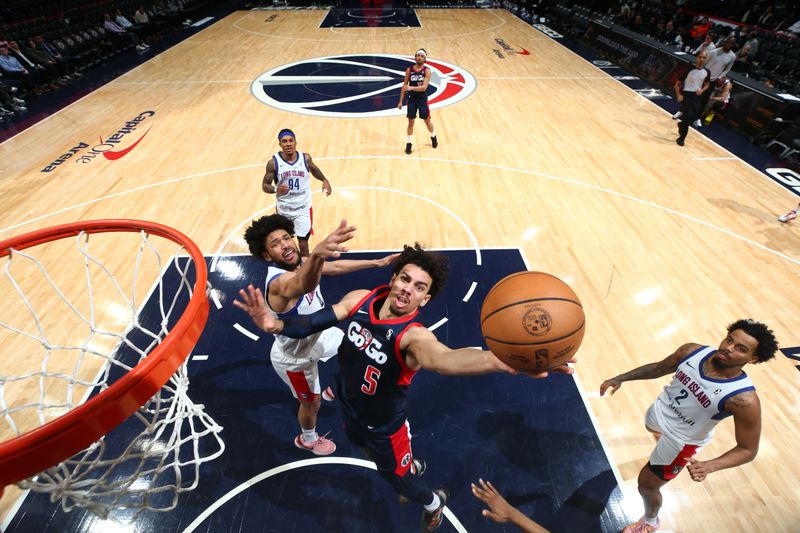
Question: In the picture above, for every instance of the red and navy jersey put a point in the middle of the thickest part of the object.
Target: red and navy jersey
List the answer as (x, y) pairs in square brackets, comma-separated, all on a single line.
[(374, 378), (416, 78)]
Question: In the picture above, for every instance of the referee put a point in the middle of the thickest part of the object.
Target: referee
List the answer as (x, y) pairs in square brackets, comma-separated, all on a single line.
[(689, 94)]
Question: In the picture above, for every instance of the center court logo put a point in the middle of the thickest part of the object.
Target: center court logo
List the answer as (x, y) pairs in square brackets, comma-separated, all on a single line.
[(354, 86), (109, 147)]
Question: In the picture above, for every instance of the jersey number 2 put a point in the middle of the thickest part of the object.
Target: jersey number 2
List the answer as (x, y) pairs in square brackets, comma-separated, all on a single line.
[(371, 377)]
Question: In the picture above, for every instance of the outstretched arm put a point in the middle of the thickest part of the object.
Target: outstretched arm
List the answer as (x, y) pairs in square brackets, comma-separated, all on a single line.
[(291, 285), (251, 301), (423, 350), (666, 366), (345, 266), (317, 173), (500, 510), (746, 409)]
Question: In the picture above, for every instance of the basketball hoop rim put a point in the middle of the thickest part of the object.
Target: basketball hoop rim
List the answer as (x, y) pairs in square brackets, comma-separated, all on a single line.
[(32, 452)]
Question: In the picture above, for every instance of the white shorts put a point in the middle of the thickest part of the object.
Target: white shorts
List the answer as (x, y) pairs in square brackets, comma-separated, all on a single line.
[(301, 373), (303, 220), (670, 454)]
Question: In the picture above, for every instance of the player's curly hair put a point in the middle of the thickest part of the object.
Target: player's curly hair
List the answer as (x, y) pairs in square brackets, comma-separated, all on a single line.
[(767, 343), (257, 233), (434, 264)]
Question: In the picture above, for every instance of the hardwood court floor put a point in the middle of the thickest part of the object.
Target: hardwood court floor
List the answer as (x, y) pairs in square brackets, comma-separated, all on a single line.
[(663, 244)]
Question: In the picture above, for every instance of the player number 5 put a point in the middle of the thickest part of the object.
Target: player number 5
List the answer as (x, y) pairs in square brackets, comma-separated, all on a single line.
[(371, 377)]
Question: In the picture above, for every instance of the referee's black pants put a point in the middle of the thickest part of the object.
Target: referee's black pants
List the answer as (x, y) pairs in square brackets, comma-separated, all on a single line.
[(690, 107)]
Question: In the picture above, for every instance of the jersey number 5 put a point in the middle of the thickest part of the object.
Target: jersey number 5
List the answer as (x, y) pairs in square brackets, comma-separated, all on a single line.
[(371, 377)]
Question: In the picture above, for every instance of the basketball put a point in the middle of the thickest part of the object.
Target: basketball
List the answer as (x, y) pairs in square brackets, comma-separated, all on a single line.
[(532, 321)]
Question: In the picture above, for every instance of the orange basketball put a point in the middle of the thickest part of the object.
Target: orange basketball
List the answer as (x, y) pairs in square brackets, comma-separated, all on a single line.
[(532, 321)]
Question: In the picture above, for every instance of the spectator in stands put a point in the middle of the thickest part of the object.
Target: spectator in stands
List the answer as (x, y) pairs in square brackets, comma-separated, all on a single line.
[(28, 62), (766, 20), (55, 71), (720, 97), (719, 63), (699, 30), (672, 37), (140, 16), (749, 51), (14, 71), (706, 46), (637, 25), (121, 21), (53, 53), (120, 32)]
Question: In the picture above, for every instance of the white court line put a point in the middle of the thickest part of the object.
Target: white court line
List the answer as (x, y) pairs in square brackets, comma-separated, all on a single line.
[(215, 299), (569, 181), (183, 82), (438, 324), (372, 40), (244, 331), (238, 229), (470, 291), (584, 395), (202, 21), (292, 466), (542, 77)]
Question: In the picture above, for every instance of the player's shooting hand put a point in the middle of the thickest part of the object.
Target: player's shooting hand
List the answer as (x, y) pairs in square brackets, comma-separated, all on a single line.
[(281, 189), (499, 509), (698, 470), (613, 383), (331, 246), (326, 187), (253, 303)]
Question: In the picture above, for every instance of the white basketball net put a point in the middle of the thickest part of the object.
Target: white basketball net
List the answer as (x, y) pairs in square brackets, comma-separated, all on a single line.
[(61, 337)]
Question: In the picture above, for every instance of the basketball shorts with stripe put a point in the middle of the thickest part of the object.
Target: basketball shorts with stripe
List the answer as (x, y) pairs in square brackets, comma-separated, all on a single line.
[(301, 374), (392, 455), (303, 219), (671, 454)]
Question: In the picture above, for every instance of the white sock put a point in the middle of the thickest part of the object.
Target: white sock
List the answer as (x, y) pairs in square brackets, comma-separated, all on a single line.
[(434, 504), (433, 134), (310, 435), (410, 139), (652, 521)]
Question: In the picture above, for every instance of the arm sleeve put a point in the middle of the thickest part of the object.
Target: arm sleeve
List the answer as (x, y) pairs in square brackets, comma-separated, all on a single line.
[(301, 326)]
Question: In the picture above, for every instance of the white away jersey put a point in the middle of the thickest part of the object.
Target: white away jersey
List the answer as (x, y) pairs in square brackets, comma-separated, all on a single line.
[(692, 404), (306, 305), (296, 175)]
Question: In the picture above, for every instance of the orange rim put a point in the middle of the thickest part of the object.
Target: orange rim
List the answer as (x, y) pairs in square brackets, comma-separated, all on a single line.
[(59, 439)]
